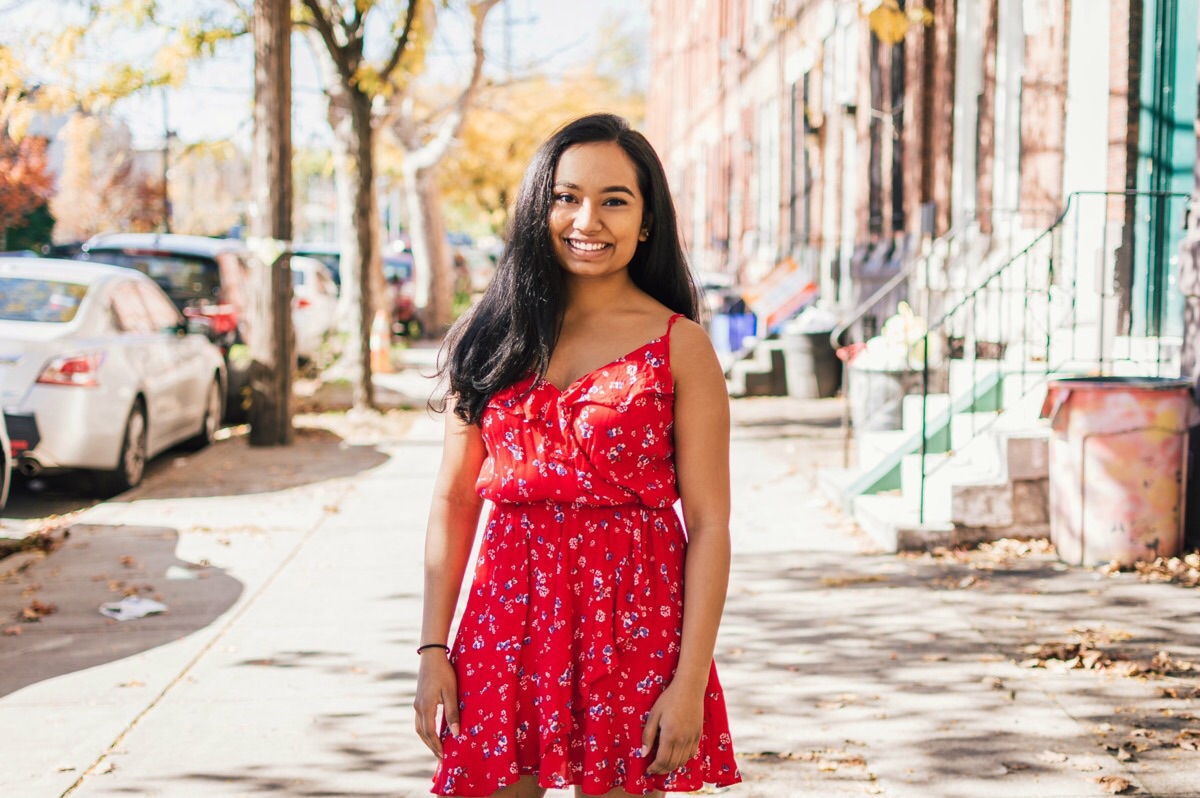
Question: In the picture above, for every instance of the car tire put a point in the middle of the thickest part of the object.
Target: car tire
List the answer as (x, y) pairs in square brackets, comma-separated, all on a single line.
[(131, 466), (214, 411)]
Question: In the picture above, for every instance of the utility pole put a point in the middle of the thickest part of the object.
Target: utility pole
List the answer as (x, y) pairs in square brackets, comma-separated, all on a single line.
[(271, 338)]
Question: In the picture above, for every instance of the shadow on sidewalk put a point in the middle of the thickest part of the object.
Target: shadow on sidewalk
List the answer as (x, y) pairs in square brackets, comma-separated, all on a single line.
[(828, 656), (96, 565), (235, 468)]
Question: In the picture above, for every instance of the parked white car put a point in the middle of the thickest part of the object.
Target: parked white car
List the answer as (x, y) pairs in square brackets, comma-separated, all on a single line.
[(314, 304), (99, 371)]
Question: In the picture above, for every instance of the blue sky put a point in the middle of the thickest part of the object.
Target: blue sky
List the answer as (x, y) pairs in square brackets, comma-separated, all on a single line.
[(546, 36)]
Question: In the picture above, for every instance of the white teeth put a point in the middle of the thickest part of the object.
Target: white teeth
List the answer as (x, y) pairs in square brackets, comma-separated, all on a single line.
[(585, 246)]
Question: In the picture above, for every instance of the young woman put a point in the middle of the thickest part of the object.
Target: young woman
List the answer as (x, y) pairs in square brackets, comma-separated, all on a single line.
[(586, 402)]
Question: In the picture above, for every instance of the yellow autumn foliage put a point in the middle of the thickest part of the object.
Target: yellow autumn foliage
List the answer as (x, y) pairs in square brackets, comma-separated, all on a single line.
[(890, 23), (480, 176)]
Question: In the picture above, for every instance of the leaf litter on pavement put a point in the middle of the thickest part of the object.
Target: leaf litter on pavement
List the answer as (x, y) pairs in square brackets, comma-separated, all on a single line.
[(1183, 570)]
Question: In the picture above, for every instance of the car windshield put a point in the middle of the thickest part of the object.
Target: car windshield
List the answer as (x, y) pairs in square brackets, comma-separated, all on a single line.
[(187, 279), (331, 260), (38, 299)]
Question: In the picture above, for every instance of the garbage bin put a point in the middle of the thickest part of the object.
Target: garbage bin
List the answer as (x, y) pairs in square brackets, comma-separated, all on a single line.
[(1118, 463), (810, 365), (877, 396)]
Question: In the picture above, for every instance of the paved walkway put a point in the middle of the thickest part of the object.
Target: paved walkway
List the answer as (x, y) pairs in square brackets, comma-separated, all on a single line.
[(286, 667)]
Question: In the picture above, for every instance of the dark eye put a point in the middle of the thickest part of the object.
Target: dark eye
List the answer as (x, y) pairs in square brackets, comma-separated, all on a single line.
[(564, 198), (615, 201)]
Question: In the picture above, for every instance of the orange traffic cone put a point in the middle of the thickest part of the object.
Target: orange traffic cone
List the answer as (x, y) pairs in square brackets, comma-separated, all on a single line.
[(381, 345)]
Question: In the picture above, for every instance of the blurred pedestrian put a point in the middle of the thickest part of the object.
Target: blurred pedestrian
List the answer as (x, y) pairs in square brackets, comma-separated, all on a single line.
[(585, 401)]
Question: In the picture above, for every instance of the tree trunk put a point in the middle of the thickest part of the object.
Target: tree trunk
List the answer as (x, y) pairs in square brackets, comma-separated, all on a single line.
[(359, 249), (431, 254), (271, 339)]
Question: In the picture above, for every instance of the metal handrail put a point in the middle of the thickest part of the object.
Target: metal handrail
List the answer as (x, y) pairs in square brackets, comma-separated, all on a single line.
[(938, 327), (860, 311), (864, 307)]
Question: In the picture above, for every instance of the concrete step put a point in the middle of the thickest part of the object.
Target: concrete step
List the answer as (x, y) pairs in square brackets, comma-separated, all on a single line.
[(1027, 452), (943, 472), (998, 505), (890, 521), (834, 482), (911, 410), (761, 373), (870, 447)]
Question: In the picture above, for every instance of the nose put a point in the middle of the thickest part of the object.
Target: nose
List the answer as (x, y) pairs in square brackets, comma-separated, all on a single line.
[(587, 220)]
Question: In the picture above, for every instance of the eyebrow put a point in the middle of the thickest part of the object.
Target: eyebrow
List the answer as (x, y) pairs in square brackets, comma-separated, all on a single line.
[(605, 190)]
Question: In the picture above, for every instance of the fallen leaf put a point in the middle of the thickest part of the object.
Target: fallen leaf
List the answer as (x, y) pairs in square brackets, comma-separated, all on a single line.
[(12, 631), (1113, 784), (1052, 756), (36, 610), (1188, 739)]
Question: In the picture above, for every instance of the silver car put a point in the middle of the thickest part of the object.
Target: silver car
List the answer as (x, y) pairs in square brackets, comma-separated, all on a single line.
[(99, 371)]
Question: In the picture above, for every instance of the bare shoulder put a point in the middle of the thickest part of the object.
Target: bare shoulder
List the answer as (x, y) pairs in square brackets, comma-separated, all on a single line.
[(693, 357)]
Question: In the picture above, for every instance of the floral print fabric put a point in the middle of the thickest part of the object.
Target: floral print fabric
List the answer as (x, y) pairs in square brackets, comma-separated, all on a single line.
[(573, 624)]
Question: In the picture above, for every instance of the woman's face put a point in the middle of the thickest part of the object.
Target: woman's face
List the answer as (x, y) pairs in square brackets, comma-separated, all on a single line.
[(596, 218)]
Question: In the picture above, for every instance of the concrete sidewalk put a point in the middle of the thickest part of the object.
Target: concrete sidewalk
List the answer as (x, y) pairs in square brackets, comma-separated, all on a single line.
[(288, 666)]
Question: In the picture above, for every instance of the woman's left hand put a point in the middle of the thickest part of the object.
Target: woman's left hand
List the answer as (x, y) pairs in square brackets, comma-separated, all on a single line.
[(676, 720)]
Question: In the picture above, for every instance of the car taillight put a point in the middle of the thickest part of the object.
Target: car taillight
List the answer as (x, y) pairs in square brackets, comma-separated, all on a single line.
[(81, 371), (301, 303), (222, 317)]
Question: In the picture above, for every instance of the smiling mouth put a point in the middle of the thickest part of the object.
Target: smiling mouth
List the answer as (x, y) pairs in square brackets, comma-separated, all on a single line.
[(586, 247)]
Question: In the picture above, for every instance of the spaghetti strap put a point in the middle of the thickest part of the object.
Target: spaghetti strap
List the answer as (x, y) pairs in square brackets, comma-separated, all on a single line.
[(667, 337)]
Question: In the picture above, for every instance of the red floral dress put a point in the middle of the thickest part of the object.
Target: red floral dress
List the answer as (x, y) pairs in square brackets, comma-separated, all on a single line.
[(573, 624)]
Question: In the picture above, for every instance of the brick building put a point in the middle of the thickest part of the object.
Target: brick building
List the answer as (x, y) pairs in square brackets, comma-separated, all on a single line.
[(798, 129)]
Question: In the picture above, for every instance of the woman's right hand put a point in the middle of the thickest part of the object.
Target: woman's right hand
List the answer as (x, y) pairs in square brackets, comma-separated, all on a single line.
[(436, 684)]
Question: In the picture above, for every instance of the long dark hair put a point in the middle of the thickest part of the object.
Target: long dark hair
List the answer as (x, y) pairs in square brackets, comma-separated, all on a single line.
[(511, 332)]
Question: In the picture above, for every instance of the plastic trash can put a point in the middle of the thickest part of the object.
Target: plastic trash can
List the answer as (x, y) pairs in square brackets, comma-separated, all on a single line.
[(877, 396), (1118, 466), (811, 366)]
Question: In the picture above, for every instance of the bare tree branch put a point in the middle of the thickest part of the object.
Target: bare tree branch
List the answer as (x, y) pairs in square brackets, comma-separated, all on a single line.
[(401, 42), (354, 26), (323, 24), (423, 156)]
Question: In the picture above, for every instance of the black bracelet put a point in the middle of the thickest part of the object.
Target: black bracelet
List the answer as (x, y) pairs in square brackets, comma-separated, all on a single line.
[(432, 645)]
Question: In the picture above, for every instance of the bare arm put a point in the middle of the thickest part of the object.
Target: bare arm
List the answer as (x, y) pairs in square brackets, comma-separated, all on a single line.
[(453, 519), (702, 474)]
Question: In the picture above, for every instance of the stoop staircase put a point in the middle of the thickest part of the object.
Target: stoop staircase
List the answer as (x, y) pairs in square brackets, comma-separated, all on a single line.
[(970, 461)]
